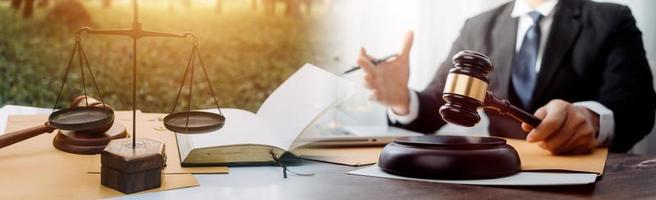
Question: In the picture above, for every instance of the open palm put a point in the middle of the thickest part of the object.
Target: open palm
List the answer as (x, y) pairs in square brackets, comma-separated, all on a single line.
[(389, 79)]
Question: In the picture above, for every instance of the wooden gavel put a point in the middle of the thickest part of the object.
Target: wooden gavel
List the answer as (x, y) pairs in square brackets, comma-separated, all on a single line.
[(465, 91), (80, 101)]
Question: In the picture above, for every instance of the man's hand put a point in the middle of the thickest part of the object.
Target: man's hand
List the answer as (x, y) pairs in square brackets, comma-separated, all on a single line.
[(389, 79), (565, 128)]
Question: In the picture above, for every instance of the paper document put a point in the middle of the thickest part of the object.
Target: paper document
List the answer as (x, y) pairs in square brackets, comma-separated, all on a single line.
[(519, 179), (7, 110)]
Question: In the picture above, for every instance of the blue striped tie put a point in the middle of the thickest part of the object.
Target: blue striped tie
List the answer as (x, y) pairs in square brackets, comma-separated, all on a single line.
[(523, 69)]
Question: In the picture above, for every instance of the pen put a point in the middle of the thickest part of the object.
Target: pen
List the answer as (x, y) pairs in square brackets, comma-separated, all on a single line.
[(375, 62)]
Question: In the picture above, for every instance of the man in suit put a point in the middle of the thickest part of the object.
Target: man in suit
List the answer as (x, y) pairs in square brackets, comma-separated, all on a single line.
[(578, 65)]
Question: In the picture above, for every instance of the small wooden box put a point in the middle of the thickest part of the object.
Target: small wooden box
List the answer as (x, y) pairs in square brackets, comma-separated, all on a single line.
[(132, 170)]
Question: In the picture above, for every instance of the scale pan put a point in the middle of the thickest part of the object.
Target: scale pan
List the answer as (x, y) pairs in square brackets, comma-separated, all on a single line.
[(81, 118), (199, 122)]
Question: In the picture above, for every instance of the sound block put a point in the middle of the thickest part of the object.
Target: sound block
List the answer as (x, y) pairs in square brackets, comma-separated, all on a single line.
[(129, 169), (88, 143), (449, 157)]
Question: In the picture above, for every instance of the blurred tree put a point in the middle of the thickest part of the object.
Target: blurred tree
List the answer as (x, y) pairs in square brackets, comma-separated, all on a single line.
[(28, 6), (15, 4), (269, 6), (71, 13), (28, 9), (254, 5), (292, 8), (43, 3), (308, 6)]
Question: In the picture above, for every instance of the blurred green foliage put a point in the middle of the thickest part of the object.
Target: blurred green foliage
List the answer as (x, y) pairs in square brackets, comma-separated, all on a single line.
[(248, 54)]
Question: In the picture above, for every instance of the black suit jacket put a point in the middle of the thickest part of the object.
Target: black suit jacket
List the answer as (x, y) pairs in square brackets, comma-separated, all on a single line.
[(594, 52)]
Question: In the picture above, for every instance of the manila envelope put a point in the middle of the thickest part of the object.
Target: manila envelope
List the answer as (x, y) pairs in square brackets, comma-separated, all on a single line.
[(535, 158), (35, 169), (351, 156), (150, 125)]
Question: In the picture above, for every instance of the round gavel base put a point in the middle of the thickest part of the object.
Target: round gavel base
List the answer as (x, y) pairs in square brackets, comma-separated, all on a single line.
[(449, 157), (88, 143)]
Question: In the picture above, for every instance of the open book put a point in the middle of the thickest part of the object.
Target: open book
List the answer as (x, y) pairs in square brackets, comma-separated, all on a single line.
[(255, 138)]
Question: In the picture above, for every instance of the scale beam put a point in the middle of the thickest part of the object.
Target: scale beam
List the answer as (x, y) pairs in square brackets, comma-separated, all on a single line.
[(134, 33)]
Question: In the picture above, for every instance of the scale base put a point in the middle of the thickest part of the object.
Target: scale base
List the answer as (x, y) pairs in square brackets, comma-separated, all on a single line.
[(129, 169)]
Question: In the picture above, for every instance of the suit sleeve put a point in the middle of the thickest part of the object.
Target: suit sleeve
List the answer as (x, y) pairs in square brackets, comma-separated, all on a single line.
[(430, 99), (627, 89)]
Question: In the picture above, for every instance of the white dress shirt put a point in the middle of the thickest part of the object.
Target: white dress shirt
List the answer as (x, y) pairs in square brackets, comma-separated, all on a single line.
[(520, 10)]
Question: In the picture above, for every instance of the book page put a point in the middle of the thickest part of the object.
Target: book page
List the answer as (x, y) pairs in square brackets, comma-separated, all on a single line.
[(300, 100), (241, 127)]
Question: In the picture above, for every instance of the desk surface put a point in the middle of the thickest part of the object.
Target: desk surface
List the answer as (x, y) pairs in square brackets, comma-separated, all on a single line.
[(626, 177)]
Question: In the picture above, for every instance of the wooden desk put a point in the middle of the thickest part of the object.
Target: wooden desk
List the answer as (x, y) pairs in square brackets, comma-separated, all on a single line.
[(626, 177)]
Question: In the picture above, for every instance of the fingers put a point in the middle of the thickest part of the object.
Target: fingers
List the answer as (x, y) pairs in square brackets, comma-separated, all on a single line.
[(407, 45), (579, 144), (375, 96), (526, 127), (364, 61), (565, 129), (556, 143), (368, 81), (583, 140), (540, 114), (553, 117), (363, 53), (582, 150), (366, 65), (369, 77), (576, 146)]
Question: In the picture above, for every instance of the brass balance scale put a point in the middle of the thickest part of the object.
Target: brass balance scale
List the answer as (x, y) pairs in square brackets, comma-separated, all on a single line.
[(86, 128)]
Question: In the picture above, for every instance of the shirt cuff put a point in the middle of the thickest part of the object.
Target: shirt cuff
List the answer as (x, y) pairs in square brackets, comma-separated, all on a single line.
[(411, 116), (606, 121)]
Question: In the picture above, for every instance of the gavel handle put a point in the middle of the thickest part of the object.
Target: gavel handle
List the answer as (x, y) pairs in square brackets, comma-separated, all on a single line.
[(504, 107), (17, 136)]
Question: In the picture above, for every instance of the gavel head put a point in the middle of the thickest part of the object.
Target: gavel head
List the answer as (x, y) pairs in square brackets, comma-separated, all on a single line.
[(81, 101), (87, 101), (465, 88)]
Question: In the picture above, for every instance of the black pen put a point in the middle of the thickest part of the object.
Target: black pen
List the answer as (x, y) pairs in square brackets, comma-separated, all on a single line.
[(375, 62)]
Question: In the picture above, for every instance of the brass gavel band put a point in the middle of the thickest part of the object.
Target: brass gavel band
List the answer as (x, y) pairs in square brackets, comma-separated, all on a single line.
[(466, 85)]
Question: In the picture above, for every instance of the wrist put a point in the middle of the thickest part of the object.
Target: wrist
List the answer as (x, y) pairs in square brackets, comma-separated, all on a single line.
[(592, 118), (604, 122), (403, 107), (400, 110)]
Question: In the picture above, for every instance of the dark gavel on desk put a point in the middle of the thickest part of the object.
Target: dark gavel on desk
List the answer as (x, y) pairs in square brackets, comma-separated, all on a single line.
[(465, 91), (85, 115)]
